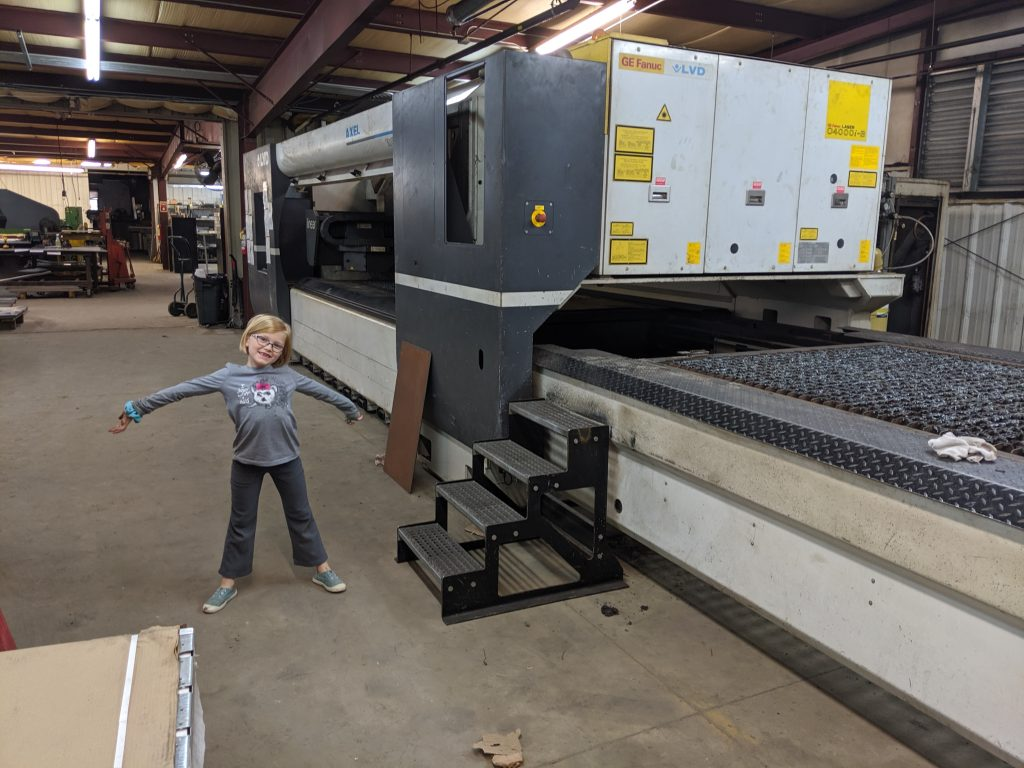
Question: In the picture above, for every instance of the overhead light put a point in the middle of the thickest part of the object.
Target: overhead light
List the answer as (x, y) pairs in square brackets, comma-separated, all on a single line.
[(91, 164), (467, 10), (37, 168), (90, 148), (599, 20), (40, 161), (108, 165), (180, 161), (91, 12)]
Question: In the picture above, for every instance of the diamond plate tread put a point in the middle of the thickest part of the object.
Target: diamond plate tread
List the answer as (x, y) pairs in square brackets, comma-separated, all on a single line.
[(516, 460), (551, 416), (478, 504), (948, 486), (932, 391), (437, 551)]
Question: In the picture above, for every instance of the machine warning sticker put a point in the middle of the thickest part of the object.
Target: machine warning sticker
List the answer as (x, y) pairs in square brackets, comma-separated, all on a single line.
[(635, 140), (848, 107), (621, 229), (863, 179), (633, 168), (635, 63), (627, 252), (863, 157), (663, 114), (785, 253), (808, 233), (864, 256), (693, 253)]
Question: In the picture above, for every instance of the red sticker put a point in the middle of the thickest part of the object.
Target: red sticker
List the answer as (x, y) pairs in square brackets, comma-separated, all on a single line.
[(659, 181), (756, 185), (840, 190)]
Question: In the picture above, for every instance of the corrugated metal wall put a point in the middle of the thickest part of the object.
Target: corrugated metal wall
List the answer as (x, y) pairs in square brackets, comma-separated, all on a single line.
[(980, 293), (46, 188)]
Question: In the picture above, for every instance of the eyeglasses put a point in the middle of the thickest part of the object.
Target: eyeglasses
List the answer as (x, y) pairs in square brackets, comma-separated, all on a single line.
[(265, 341)]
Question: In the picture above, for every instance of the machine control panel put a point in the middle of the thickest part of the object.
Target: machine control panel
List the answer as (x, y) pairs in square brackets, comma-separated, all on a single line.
[(841, 200), (755, 197)]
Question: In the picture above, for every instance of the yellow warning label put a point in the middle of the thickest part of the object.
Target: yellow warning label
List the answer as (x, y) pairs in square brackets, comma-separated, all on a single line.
[(636, 63), (863, 157), (693, 253), (663, 115), (633, 168), (621, 229), (848, 107), (808, 233), (863, 179), (627, 252), (864, 255), (629, 138), (785, 253)]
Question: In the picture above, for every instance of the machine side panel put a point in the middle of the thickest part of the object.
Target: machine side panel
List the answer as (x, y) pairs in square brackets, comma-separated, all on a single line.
[(841, 184), (658, 160), (755, 174)]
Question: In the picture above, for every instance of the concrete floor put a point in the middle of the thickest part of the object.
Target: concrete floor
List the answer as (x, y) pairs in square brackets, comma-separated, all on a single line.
[(103, 535)]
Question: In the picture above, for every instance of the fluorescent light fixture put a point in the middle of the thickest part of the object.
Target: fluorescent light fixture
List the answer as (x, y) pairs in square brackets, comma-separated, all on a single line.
[(37, 168), (108, 165), (91, 164), (599, 20), (40, 161), (90, 148), (180, 161), (91, 12)]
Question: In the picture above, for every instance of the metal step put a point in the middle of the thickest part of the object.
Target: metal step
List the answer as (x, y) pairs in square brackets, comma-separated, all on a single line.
[(516, 460), (479, 505), (551, 416), (435, 549)]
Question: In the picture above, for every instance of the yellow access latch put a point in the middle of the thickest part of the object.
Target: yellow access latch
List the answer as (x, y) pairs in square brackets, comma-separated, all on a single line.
[(539, 217)]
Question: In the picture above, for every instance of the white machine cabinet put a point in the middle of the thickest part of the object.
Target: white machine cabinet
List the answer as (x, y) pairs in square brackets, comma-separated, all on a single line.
[(758, 129), (723, 165), (847, 123), (658, 160)]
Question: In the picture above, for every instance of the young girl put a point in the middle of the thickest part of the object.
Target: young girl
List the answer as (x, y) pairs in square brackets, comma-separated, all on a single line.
[(259, 401)]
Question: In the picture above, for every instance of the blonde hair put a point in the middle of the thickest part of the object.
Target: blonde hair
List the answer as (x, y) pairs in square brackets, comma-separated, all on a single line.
[(269, 324)]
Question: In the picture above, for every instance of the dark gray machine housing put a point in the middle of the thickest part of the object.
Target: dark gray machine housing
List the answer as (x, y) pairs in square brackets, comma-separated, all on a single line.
[(278, 222), (475, 305)]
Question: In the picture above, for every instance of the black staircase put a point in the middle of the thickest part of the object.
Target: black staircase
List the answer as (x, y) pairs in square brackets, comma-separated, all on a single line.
[(577, 450)]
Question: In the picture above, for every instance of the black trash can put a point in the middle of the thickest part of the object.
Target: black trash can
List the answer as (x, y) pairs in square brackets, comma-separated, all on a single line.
[(211, 299)]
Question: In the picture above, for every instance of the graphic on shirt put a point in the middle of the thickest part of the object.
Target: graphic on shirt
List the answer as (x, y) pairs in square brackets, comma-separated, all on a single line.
[(261, 392)]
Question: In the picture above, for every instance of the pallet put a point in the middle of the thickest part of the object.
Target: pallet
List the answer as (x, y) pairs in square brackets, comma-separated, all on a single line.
[(11, 317)]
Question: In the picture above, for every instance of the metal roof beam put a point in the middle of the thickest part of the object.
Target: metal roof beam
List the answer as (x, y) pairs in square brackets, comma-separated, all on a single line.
[(327, 29), (733, 13), (396, 18), (85, 123), (45, 148), (140, 33), (293, 9), (872, 28), (75, 136), (112, 88)]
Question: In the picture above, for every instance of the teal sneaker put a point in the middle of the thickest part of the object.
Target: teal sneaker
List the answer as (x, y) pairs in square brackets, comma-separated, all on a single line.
[(220, 597), (330, 581)]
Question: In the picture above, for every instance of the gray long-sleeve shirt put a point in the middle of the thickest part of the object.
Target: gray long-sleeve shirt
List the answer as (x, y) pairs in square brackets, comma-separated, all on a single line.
[(259, 402)]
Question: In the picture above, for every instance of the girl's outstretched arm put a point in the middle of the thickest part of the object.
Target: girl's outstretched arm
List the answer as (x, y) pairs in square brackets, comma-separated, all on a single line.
[(134, 410), (307, 386)]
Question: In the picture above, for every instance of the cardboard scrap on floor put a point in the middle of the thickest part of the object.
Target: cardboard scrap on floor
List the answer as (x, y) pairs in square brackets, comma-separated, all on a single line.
[(506, 749)]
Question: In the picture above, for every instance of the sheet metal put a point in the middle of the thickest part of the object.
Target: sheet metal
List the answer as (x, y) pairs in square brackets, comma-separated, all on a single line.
[(931, 391), (894, 455)]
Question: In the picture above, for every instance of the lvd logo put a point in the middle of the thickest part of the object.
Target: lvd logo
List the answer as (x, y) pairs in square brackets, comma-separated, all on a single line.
[(689, 69)]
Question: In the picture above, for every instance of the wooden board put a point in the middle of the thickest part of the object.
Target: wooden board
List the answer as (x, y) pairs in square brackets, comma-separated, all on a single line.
[(406, 414)]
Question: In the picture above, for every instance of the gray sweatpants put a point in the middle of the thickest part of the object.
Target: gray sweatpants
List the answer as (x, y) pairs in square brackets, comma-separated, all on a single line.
[(246, 481)]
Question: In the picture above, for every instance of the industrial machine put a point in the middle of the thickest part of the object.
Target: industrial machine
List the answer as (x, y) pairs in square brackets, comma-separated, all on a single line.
[(680, 247)]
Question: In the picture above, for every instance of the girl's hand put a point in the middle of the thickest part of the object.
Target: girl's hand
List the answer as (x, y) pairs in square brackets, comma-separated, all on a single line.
[(122, 424)]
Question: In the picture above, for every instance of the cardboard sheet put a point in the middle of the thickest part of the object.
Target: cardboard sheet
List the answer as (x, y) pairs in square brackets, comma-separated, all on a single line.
[(60, 704)]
